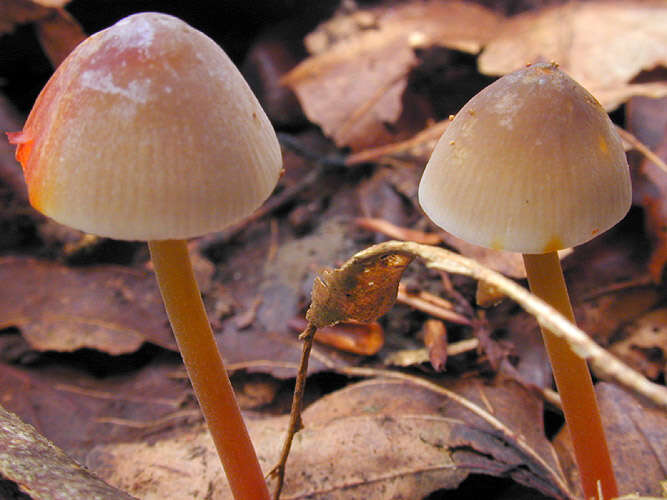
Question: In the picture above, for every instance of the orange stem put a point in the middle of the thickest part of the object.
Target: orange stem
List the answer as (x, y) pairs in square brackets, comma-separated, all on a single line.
[(205, 368), (573, 380)]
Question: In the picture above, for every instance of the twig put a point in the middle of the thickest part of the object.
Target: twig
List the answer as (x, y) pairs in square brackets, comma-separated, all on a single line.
[(635, 143), (605, 365), (295, 423), (422, 303)]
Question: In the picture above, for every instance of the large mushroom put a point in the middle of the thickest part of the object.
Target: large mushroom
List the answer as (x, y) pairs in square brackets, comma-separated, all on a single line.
[(147, 131), (533, 164)]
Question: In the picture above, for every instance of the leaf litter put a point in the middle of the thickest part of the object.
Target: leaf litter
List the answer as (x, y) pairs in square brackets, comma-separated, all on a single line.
[(251, 314)]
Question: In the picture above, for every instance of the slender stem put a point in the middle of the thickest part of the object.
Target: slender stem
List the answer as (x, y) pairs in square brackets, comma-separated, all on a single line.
[(573, 381), (205, 368)]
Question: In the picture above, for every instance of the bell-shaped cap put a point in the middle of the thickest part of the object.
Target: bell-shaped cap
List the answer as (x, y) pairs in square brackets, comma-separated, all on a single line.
[(531, 164), (148, 131)]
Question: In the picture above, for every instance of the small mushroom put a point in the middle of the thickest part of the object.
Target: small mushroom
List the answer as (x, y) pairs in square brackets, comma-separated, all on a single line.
[(533, 164), (147, 131)]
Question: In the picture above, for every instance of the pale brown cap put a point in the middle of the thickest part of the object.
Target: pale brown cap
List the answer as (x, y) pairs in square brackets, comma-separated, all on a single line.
[(148, 131), (531, 164)]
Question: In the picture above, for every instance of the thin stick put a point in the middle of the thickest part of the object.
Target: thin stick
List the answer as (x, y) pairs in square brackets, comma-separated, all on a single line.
[(295, 423), (573, 381), (205, 368)]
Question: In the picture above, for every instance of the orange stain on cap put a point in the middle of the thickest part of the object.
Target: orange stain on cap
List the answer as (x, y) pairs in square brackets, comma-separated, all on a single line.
[(553, 245), (24, 143), (602, 144)]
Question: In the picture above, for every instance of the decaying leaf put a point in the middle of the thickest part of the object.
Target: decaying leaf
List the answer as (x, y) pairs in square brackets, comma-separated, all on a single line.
[(361, 290), (365, 339), (76, 410), (43, 471), (110, 308), (354, 86), (377, 439), (58, 31), (602, 45), (645, 345)]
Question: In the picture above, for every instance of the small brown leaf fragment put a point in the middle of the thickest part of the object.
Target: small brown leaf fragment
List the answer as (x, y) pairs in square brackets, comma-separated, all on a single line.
[(645, 348), (435, 340), (602, 45), (362, 290), (43, 471), (396, 232), (77, 411), (57, 30), (110, 308), (365, 339), (59, 33), (488, 295)]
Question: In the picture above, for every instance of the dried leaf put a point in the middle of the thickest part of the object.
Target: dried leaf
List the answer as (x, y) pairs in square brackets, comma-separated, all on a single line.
[(435, 340), (58, 31), (602, 45), (358, 338), (373, 440), (645, 345), (361, 290), (43, 471), (109, 308), (76, 410), (59, 34), (354, 87)]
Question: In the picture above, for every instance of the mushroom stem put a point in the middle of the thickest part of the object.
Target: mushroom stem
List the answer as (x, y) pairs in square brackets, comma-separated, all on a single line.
[(205, 368), (573, 381)]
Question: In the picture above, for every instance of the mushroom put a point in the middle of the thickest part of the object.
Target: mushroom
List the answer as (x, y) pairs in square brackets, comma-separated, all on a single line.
[(533, 164), (147, 131)]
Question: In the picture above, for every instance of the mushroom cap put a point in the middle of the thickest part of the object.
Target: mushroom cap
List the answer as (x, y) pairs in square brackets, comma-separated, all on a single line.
[(148, 131), (530, 164)]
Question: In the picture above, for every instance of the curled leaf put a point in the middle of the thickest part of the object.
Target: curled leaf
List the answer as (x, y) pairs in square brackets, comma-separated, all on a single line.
[(362, 290)]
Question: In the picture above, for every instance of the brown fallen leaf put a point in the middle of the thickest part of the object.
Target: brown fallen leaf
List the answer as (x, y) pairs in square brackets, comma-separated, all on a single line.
[(77, 410), (435, 340), (57, 30), (603, 316), (602, 45), (645, 344), (355, 85), (43, 471), (365, 339), (359, 291), (377, 439), (109, 308), (59, 33)]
